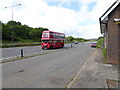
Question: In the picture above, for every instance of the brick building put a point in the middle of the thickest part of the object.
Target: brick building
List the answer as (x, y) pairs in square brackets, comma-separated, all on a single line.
[(110, 28)]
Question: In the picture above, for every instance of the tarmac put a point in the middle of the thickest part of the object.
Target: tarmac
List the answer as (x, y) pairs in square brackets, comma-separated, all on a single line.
[(97, 74)]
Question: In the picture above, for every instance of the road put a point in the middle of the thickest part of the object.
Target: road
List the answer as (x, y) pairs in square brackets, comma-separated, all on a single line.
[(16, 51), (53, 70)]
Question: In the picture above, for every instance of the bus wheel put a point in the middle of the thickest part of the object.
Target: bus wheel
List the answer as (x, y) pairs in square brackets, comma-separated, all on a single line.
[(45, 48), (51, 47)]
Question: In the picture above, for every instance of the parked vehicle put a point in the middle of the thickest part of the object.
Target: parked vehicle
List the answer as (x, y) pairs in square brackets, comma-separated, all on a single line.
[(52, 39), (75, 42), (93, 44)]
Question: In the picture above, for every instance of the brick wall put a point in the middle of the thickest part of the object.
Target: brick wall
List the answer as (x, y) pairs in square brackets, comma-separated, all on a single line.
[(113, 50)]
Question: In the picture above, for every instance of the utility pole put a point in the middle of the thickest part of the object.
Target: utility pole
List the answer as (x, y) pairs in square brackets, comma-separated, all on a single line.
[(12, 17)]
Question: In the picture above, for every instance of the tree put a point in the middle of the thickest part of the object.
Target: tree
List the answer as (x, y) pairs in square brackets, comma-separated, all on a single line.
[(13, 23), (70, 38), (6, 32), (81, 39), (36, 33), (20, 32)]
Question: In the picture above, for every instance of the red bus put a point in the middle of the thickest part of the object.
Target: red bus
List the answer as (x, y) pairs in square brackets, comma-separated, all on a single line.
[(52, 39)]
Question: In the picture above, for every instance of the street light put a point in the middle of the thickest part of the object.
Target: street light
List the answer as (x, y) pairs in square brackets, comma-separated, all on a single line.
[(12, 9), (12, 16)]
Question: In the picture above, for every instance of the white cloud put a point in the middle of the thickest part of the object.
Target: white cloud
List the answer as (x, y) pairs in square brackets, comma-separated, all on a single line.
[(100, 8), (37, 13)]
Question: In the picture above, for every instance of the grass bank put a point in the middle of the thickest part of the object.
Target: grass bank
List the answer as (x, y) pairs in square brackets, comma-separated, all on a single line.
[(18, 42), (6, 44), (100, 45), (104, 51)]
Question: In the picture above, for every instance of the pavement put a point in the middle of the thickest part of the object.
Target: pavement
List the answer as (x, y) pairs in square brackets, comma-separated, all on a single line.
[(96, 74)]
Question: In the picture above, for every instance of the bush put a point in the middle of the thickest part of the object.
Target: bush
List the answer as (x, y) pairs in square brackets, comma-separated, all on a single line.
[(100, 42), (104, 51), (99, 45)]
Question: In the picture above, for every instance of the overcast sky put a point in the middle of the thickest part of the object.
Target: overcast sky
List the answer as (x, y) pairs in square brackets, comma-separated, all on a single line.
[(77, 18)]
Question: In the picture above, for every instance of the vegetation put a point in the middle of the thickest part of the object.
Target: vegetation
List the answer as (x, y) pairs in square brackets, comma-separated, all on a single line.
[(100, 45), (104, 51), (20, 33), (71, 39), (100, 42)]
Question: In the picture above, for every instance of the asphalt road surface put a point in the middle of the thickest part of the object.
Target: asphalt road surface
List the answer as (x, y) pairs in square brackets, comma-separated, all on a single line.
[(52, 70), (16, 51)]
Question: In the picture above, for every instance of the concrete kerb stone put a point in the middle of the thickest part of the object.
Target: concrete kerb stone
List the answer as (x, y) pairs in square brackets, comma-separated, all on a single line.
[(25, 55), (15, 58), (112, 82)]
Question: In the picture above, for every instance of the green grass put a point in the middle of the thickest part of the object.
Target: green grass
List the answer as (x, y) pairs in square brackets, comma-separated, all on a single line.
[(99, 42), (0, 41), (19, 42), (104, 50), (7, 44)]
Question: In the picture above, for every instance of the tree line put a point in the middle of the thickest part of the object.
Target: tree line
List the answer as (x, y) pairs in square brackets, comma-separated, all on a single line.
[(19, 32), (72, 39)]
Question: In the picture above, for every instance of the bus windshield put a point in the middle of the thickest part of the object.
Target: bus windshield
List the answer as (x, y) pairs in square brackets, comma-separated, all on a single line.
[(45, 33), (45, 41)]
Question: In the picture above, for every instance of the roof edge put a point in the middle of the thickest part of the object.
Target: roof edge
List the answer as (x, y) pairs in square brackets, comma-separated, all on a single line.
[(116, 3)]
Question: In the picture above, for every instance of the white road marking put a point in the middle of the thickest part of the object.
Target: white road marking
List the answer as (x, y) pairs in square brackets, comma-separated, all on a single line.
[(71, 83)]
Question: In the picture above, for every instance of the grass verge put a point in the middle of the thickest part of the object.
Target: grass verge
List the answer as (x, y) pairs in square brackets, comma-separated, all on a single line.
[(104, 52), (7, 44)]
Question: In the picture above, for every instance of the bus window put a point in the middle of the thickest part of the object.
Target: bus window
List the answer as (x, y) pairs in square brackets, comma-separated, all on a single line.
[(51, 33), (51, 41), (45, 41), (45, 33)]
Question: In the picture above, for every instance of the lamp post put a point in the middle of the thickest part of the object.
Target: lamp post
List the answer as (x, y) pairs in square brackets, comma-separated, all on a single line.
[(12, 17), (12, 9)]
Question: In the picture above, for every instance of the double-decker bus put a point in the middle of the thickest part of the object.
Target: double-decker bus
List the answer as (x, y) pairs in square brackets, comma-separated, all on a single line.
[(52, 39)]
